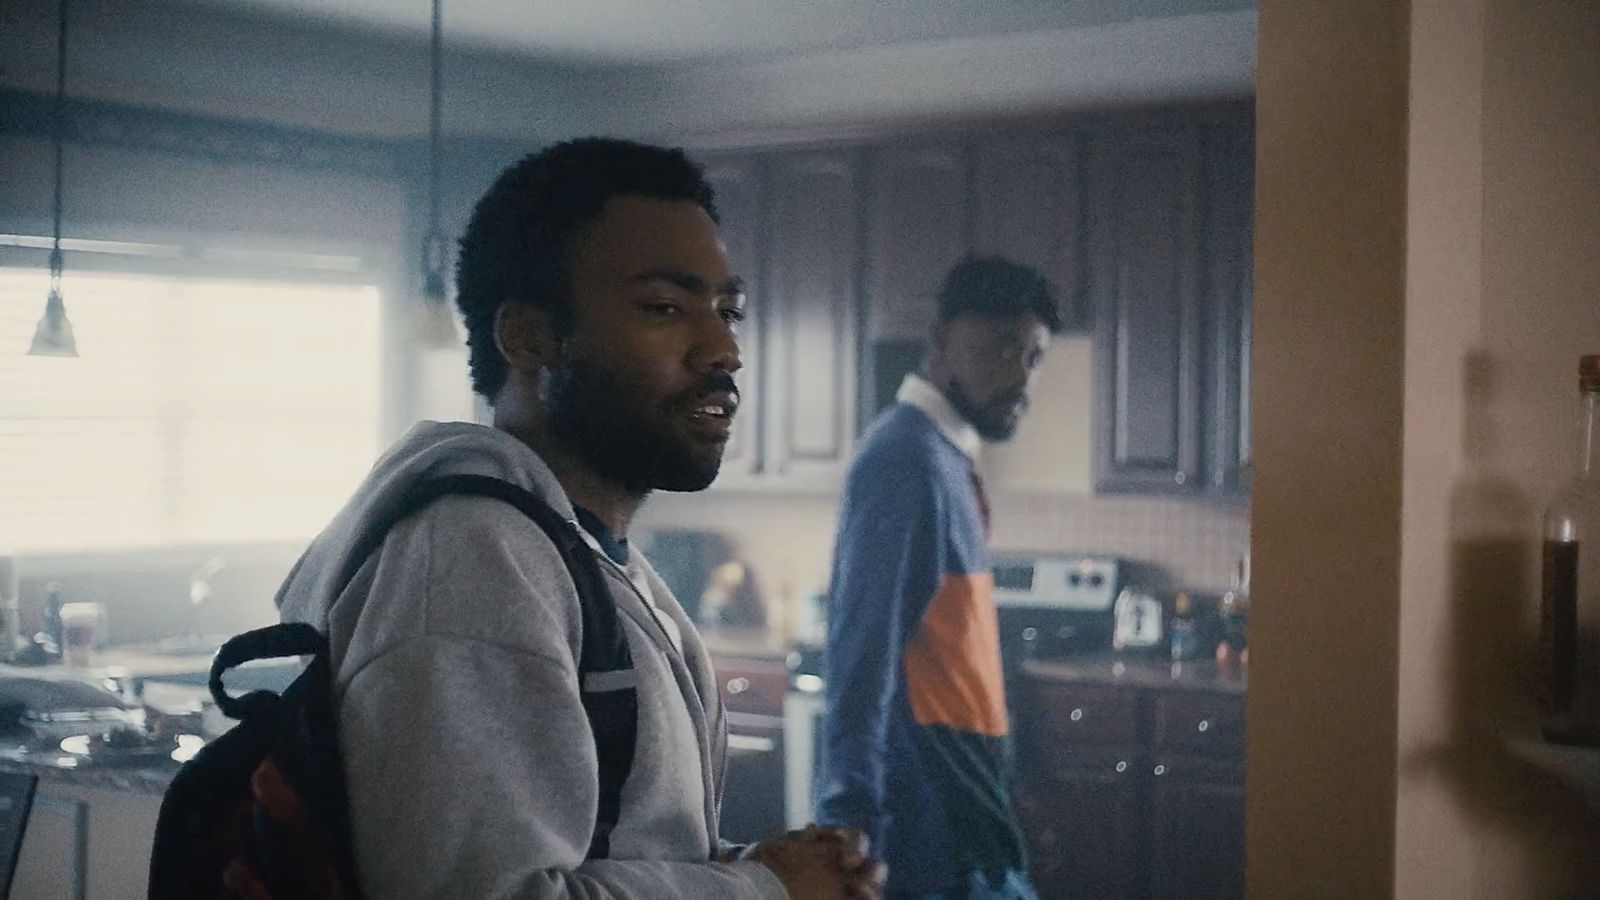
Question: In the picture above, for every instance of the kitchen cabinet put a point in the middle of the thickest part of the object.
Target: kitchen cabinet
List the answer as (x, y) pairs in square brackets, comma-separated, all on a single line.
[(1144, 276), (738, 190), (792, 225), (1134, 790), (1141, 221), (1197, 829), (1028, 207), (813, 294), (1230, 161), (1081, 825), (919, 217), (1170, 208), (85, 843)]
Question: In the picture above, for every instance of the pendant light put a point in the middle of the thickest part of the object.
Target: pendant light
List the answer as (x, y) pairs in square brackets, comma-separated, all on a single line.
[(436, 325), (54, 337)]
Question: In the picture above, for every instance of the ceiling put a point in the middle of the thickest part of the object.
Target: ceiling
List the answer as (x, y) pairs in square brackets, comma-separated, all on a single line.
[(611, 32), (532, 69)]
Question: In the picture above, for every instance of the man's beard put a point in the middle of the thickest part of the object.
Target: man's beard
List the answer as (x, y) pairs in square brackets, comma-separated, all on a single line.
[(994, 422), (598, 417)]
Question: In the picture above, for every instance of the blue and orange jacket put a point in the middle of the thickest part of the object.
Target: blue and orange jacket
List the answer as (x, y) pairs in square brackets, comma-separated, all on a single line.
[(916, 745)]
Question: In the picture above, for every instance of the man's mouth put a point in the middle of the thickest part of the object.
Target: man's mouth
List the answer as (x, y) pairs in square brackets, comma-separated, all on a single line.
[(718, 405), (713, 415)]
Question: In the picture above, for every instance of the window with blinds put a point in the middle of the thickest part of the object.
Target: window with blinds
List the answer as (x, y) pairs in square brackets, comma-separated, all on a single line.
[(199, 410)]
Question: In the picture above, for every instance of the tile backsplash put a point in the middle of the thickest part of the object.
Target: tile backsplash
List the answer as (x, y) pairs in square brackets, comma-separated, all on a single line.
[(1171, 543), (146, 591), (785, 538)]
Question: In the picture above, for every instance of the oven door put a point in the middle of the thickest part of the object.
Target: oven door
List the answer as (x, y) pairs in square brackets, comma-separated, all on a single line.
[(802, 739)]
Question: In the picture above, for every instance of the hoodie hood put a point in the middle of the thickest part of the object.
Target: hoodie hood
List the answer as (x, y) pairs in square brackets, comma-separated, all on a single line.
[(428, 450)]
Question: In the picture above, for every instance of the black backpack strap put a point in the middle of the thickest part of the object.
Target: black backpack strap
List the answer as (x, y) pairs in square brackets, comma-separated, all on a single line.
[(607, 681)]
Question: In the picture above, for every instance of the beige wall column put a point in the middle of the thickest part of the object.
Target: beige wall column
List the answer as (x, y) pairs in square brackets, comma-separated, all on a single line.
[(1428, 271), (1329, 342)]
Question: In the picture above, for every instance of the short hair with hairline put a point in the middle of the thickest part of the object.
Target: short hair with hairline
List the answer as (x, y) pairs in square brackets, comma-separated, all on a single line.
[(993, 287), (518, 244)]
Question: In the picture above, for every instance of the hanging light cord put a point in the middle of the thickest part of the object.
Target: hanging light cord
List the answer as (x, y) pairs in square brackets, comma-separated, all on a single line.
[(61, 136), (434, 116), (433, 247)]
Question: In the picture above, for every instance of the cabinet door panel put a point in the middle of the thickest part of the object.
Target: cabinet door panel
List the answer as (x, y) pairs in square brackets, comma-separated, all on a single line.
[(1230, 276), (813, 289), (1027, 196), (1084, 830), (919, 222), (1201, 723), (738, 196), (1144, 238), (1197, 831)]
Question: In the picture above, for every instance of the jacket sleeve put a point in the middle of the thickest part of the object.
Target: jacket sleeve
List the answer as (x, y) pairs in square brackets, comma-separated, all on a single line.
[(469, 760), (886, 570)]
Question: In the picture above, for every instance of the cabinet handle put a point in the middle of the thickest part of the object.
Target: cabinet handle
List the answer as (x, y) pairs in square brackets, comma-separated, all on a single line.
[(1179, 477), (1076, 715), (1161, 770), (1204, 726), (738, 685), (1122, 766)]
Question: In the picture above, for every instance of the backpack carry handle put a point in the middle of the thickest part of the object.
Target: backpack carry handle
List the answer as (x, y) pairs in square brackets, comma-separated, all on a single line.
[(271, 642)]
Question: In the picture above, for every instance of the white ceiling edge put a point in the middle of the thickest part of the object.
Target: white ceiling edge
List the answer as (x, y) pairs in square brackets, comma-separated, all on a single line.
[(1202, 56), (654, 32), (306, 77)]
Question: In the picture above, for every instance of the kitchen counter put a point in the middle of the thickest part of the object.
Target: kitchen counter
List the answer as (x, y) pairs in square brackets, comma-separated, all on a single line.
[(744, 643), (1151, 673), (149, 779)]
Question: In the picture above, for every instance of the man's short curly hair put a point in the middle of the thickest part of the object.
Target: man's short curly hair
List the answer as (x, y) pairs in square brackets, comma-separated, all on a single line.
[(518, 244), (993, 287)]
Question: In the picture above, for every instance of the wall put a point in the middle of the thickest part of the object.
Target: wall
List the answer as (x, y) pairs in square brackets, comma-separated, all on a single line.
[(1425, 246), (204, 58), (133, 190), (1505, 143), (1327, 414)]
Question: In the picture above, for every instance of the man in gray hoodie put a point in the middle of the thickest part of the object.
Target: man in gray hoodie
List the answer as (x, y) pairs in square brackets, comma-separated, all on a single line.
[(602, 323)]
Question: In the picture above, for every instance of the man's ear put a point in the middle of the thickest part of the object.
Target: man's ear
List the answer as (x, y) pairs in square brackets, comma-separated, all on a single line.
[(525, 335)]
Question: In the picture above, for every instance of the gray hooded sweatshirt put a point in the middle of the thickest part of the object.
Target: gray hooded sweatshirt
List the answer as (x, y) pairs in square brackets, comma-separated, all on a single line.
[(470, 764)]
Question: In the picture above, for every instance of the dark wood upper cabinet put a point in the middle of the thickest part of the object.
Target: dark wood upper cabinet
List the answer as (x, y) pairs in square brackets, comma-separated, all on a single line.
[(1144, 211), (736, 181), (1142, 222), (812, 290), (919, 226), (1027, 206), (1230, 158)]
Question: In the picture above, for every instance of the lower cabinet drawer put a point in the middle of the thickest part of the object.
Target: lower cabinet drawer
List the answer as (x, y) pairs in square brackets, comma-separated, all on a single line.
[(1200, 723)]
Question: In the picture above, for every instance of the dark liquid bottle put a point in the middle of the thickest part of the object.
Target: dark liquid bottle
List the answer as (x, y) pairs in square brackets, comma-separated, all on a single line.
[(1569, 623)]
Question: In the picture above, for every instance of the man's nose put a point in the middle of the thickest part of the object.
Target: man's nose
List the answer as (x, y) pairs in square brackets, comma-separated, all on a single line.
[(718, 345)]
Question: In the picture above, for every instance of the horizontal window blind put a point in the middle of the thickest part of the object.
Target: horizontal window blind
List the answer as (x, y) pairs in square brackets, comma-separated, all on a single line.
[(199, 410)]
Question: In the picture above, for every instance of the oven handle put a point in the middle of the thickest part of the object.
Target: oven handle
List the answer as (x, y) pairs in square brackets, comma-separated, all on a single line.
[(750, 743)]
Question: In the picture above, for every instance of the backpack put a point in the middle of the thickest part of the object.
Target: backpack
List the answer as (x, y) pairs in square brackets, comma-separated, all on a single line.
[(262, 811)]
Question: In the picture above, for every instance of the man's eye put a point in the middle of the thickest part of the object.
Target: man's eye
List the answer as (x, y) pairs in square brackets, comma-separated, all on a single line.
[(733, 315), (662, 307)]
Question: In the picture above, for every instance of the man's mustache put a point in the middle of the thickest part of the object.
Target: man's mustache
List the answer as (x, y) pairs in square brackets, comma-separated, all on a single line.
[(715, 383)]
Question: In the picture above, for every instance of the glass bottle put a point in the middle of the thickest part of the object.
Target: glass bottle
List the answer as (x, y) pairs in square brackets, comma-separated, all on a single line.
[(1569, 624)]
